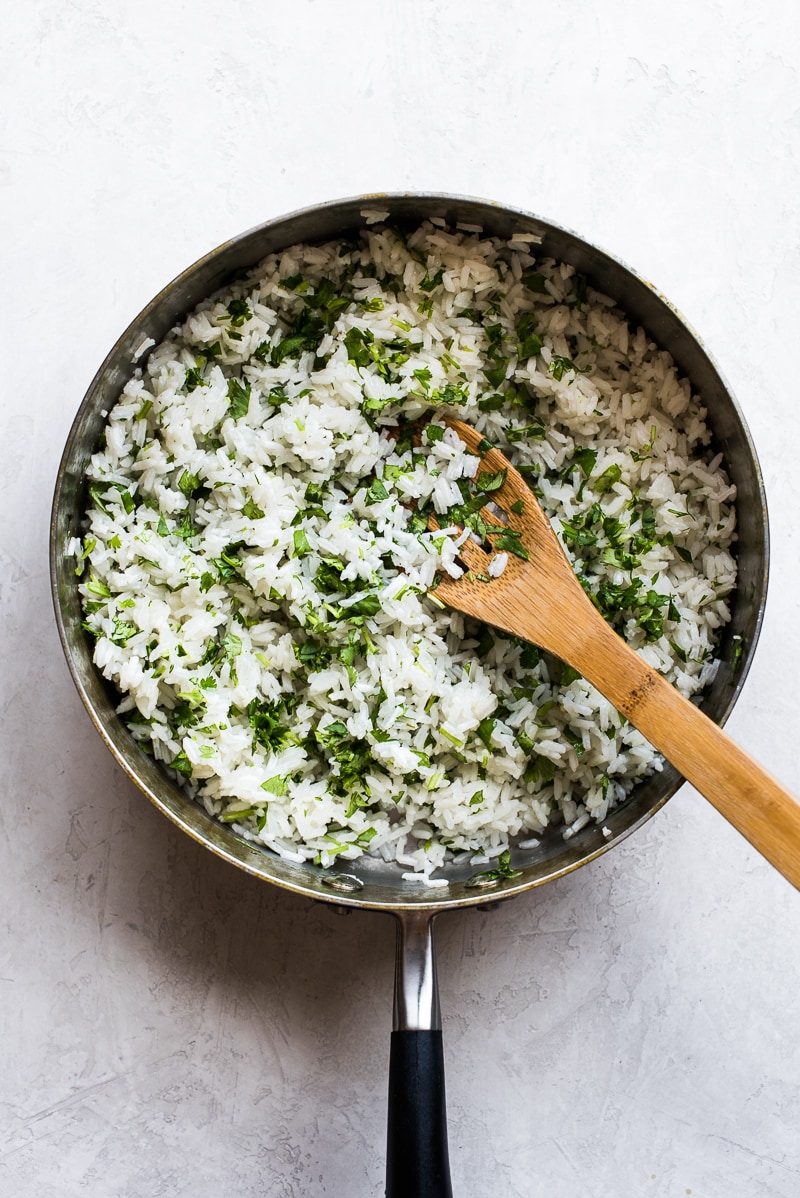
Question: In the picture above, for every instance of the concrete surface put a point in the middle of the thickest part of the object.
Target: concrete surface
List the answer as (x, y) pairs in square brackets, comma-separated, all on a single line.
[(173, 1029)]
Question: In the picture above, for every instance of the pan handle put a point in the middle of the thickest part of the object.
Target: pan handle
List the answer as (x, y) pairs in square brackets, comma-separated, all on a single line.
[(417, 1161)]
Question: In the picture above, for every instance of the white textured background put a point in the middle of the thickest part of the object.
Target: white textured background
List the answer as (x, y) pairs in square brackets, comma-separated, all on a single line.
[(172, 1029)]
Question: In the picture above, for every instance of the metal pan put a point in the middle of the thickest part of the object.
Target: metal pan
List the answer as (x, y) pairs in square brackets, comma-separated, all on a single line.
[(417, 1161)]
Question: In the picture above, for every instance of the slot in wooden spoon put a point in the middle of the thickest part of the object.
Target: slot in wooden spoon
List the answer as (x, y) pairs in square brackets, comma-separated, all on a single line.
[(542, 601)]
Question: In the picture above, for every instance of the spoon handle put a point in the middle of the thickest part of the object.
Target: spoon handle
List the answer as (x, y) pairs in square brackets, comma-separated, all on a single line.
[(757, 805), (751, 799)]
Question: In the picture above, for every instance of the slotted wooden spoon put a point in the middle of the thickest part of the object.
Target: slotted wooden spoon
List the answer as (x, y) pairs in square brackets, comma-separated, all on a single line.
[(542, 601)]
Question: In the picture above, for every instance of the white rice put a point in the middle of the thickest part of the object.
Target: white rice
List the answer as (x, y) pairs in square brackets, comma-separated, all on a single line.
[(256, 580)]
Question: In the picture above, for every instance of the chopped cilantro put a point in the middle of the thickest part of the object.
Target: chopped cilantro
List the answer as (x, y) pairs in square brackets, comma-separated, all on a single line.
[(277, 397), (530, 657), (97, 493), (487, 482), (275, 786), (239, 398), (509, 541), (235, 817), (534, 432), (352, 756), (586, 459), (89, 544), (188, 483), (315, 492), (605, 481), (251, 510), (528, 342), (357, 343), (496, 374), (559, 366), (535, 282), (524, 741), (575, 740), (575, 534), (194, 378), (314, 655), (429, 283), (539, 769), (376, 492), (269, 724), (370, 605), (182, 764), (328, 302), (239, 312), (503, 869), (304, 333), (229, 565), (231, 645), (678, 651), (738, 650), (567, 674), (123, 631), (485, 730)]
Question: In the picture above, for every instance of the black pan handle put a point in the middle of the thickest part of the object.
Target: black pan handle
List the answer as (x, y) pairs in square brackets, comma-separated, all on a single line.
[(417, 1160)]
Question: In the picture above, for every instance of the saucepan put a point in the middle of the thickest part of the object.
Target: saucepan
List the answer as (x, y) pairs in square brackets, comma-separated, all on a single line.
[(417, 1155)]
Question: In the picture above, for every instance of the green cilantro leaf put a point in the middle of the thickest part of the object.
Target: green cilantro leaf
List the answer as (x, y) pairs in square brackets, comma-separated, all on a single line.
[(488, 482), (188, 483), (275, 786), (239, 398), (376, 492), (251, 510), (534, 281), (605, 481), (586, 459)]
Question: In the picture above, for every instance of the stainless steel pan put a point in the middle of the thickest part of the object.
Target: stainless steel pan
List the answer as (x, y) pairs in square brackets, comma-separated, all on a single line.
[(417, 1164)]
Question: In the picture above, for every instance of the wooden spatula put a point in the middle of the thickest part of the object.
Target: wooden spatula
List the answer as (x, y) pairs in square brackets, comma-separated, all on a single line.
[(541, 600)]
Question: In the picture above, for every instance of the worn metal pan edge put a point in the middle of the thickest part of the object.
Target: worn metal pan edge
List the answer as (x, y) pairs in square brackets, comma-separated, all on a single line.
[(368, 882)]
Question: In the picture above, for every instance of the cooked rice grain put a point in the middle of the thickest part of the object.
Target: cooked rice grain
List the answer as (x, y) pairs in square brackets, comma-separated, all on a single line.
[(257, 558)]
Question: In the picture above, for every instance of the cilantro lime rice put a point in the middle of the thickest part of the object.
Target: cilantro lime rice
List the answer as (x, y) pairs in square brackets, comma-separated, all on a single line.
[(257, 564)]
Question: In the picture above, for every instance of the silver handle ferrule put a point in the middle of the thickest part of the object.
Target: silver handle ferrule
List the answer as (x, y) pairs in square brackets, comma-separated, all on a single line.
[(416, 990)]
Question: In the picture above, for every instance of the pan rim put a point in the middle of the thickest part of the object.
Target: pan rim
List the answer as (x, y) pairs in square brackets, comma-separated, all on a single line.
[(419, 896)]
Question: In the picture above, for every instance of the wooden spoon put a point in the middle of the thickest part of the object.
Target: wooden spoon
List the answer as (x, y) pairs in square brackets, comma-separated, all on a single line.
[(542, 601)]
